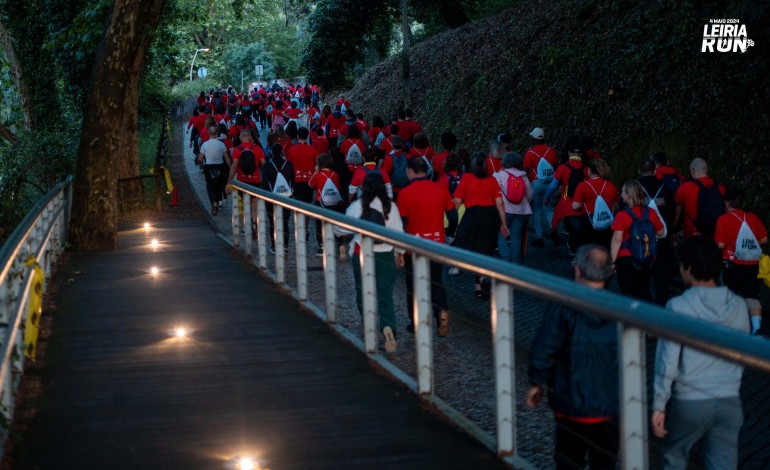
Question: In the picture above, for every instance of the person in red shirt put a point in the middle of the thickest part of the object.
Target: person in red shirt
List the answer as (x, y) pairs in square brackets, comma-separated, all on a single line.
[(352, 138), (302, 157), (540, 161), (741, 262), (360, 170), (237, 172), (484, 215), (334, 122), (448, 143), (663, 169), (495, 157), (321, 180), (632, 281), (321, 143), (567, 177), (201, 100), (376, 132), (387, 144), (341, 101), (422, 148), (413, 126), (423, 205), (293, 114), (398, 179), (686, 197), (585, 198)]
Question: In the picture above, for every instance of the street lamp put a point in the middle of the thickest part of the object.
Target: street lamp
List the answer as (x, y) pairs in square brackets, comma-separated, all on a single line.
[(193, 61)]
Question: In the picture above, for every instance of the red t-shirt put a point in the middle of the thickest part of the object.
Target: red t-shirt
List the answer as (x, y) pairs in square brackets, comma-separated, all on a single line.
[(428, 153), (259, 156), (494, 165), (373, 133), (687, 197), (535, 154), (321, 143), (587, 192), (360, 172), (475, 191), (199, 122), (667, 170), (293, 113), (438, 163), (386, 145), (728, 226), (423, 204), (302, 158), (563, 172), (622, 223), (318, 181), (347, 143), (335, 123)]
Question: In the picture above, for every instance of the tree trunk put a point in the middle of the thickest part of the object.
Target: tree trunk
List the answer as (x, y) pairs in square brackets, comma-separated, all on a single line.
[(18, 77), (118, 61)]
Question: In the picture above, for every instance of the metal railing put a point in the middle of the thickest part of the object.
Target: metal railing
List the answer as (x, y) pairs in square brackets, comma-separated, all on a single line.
[(635, 319), (37, 241)]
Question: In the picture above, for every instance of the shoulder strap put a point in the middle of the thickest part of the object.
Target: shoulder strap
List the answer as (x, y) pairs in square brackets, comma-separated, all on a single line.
[(736, 216)]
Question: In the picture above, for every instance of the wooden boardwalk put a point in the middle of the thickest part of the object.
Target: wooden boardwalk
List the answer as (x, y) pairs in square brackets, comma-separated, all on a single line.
[(256, 376)]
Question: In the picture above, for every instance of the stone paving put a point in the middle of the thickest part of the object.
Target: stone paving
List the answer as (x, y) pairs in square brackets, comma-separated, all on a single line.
[(464, 375)]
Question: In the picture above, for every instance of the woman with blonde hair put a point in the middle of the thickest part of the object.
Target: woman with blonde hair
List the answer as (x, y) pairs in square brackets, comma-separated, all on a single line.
[(633, 245)]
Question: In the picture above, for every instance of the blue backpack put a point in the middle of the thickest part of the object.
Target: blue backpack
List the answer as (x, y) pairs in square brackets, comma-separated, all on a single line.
[(642, 243), (399, 178)]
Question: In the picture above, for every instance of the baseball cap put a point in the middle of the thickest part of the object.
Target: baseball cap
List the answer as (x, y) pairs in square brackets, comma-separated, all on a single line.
[(537, 133)]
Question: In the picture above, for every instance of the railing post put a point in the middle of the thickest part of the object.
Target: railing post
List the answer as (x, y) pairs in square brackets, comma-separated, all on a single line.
[(235, 219), (247, 228), (330, 272), (280, 249), (423, 310), (503, 340), (262, 236), (633, 398), (369, 294), (300, 243)]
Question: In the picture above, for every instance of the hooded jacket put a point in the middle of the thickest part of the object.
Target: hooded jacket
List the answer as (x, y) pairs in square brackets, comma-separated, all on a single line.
[(576, 354), (689, 374)]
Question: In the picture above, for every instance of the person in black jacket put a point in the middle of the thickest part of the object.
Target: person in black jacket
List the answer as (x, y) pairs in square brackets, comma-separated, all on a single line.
[(576, 355)]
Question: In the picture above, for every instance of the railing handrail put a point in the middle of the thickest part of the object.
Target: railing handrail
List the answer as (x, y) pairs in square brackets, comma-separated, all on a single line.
[(720, 341), (12, 244)]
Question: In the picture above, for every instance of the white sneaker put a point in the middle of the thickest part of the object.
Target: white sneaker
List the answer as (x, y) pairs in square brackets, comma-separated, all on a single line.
[(343, 254), (454, 270), (390, 340)]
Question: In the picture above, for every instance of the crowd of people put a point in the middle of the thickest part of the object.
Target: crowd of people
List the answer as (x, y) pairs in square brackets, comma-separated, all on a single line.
[(656, 227)]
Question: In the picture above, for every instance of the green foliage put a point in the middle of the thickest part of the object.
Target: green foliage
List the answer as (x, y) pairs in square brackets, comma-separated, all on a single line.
[(238, 58), (635, 80), (186, 89)]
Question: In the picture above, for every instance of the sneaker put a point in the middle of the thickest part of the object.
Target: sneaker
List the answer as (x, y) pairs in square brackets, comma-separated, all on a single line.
[(390, 340), (319, 251), (214, 209), (343, 254), (272, 250), (538, 243), (443, 324), (454, 270)]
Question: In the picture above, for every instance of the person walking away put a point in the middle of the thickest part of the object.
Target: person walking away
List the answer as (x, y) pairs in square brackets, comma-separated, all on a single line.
[(740, 234), (422, 206), (247, 170), (540, 162), (636, 229), (495, 157), (696, 395), (517, 199), (575, 357), (271, 181), (362, 168), (597, 198), (484, 216), (448, 144), (326, 184), (302, 157), (698, 213), (395, 163), (568, 176), (375, 206), (667, 173), (422, 148), (212, 157), (660, 195)]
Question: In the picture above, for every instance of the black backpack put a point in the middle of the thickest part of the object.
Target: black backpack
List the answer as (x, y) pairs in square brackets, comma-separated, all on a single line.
[(454, 181), (710, 206), (642, 243), (672, 181), (247, 162), (576, 177)]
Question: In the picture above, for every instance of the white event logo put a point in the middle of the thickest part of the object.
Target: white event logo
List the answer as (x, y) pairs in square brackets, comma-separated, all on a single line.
[(725, 35)]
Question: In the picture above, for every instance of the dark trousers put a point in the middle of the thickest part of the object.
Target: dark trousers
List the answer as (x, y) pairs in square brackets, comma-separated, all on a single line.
[(437, 292), (216, 179), (631, 281), (663, 271), (574, 440), (319, 237), (303, 192), (271, 224), (587, 234)]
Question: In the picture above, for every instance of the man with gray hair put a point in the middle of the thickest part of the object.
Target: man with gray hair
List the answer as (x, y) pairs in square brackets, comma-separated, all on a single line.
[(694, 210), (576, 355)]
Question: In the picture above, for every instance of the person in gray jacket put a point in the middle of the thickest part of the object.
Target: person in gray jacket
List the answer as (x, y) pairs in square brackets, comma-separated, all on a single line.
[(701, 390)]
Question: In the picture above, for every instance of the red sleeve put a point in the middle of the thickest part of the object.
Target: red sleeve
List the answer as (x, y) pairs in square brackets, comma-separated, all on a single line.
[(579, 190), (449, 204), (314, 181), (622, 222), (657, 224), (403, 203), (461, 188)]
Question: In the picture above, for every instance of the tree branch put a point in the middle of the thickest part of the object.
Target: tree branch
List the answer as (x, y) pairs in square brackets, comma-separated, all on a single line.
[(7, 134)]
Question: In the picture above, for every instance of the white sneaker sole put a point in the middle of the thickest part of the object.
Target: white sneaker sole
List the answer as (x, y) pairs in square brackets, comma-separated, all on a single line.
[(390, 340)]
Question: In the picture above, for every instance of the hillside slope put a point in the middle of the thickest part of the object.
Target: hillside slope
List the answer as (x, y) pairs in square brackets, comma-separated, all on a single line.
[(631, 74)]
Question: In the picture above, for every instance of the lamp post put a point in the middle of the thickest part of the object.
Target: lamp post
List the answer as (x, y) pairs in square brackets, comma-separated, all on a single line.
[(193, 61)]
